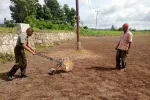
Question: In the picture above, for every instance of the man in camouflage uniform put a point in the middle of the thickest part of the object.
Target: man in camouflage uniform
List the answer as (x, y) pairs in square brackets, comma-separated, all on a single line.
[(20, 57)]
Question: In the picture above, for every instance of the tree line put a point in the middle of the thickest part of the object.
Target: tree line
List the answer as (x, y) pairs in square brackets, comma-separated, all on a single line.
[(113, 28), (51, 15)]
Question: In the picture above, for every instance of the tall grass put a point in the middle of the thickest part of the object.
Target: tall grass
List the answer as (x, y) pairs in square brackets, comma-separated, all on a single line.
[(90, 32), (7, 30), (13, 30)]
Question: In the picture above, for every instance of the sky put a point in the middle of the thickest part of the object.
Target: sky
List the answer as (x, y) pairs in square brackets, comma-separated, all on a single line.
[(108, 12)]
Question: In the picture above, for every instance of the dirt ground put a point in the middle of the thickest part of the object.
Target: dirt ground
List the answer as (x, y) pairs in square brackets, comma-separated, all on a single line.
[(93, 77)]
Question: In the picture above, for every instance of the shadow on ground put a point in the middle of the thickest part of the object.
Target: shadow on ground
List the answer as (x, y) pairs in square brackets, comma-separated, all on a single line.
[(3, 76), (57, 72), (101, 68)]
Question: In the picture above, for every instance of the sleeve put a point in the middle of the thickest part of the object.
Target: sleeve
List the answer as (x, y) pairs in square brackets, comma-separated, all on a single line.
[(130, 37)]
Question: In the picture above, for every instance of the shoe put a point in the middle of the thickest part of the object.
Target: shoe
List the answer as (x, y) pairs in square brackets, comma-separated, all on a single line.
[(24, 76), (9, 77), (123, 69), (118, 67)]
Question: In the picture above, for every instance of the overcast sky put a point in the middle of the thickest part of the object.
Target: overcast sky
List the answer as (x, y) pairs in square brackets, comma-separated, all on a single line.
[(111, 12)]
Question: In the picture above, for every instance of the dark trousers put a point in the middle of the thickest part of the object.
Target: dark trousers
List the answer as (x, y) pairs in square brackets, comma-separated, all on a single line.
[(21, 61), (121, 57)]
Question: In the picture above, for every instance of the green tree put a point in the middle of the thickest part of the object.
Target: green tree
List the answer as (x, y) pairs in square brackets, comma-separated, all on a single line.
[(31, 20), (120, 29), (20, 9), (9, 23), (69, 15), (72, 16), (85, 27), (66, 13), (39, 11), (132, 29), (47, 14), (55, 10), (43, 12), (113, 28)]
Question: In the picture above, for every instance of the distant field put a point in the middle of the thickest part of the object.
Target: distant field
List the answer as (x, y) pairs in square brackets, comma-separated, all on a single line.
[(83, 32), (89, 32)]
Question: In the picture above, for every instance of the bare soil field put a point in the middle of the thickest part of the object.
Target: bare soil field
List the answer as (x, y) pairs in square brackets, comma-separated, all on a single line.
[(93, 77)]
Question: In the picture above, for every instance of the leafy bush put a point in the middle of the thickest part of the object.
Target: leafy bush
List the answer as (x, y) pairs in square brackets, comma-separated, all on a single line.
[(85, 27), (43, 24), (9, 23)]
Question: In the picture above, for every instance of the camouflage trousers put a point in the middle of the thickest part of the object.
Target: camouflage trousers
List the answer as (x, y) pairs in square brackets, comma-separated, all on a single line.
[(121, 58), (21, 61)]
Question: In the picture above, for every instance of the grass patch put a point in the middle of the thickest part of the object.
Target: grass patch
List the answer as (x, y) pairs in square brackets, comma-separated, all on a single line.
[(90, 32), (13, 30), (6, 57), (7, 30)]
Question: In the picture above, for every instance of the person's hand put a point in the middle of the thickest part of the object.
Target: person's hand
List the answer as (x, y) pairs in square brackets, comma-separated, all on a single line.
[(34, 50), (34, 53), (116, 48)]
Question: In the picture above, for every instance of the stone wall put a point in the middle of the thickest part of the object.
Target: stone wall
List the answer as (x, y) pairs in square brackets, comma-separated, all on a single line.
[(8, 40), (50, 38)]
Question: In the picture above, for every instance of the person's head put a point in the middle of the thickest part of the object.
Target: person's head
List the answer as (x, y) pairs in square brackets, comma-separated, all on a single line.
[(29, 31), (125, 27)]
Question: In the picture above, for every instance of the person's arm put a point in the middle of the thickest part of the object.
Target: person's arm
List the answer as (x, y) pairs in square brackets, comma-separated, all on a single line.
[(28, 49), (29, 46), (118, 42), (117, 45), (130, 42), (24, 42), (129, 47)]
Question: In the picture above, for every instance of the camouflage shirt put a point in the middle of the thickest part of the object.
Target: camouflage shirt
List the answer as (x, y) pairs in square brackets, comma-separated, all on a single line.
[(22, 38)]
